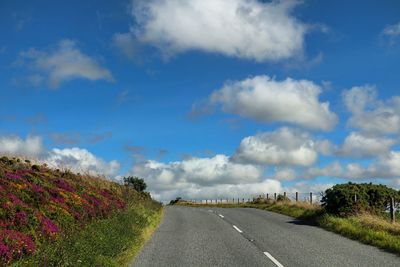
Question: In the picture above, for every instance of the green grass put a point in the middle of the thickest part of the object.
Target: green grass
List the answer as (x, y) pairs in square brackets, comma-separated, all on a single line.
[(109, 242), (366, 228)]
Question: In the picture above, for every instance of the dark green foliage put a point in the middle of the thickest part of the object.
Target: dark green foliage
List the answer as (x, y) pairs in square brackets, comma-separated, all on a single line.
[(351, 198), (282, 198), (174, 201), (136, 183)]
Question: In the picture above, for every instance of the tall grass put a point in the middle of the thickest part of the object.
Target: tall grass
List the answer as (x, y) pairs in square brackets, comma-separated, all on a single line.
[(108, 242)]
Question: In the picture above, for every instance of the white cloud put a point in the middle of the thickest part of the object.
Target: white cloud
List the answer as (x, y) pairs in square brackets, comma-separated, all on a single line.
[(384, 166), (283, 146), (75, 159), (203, 171), (243, 190), (126, 43), (370, 114), (358, 145), (266, 100), (284, 174), (333, 169), (64, 63), (203, 178), (260, 31), (32, 146), (81, 160), (392, 30)]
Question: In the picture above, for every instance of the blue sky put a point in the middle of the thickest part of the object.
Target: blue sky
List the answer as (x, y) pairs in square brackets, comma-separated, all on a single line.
[(205, 98)]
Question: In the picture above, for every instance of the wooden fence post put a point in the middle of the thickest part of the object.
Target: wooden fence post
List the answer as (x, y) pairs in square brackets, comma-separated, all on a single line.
[(392, 210), (310, 197), (297, 196), (275, 196)]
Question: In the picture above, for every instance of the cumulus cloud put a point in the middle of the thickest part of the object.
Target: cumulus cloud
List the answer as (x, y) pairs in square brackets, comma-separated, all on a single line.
[(255, 30), (357, 145), (266, 100), (284, 146), (244, 190), (207, 177), (32, 146), (385, 166), (370, 114), (63, 63), (202, 171), (81, 160), (285, 174), (75, 159)]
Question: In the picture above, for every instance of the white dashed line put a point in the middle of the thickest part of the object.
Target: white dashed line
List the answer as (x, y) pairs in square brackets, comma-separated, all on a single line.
[(277, 263), (237, 229), (220, 215), (210, 210)]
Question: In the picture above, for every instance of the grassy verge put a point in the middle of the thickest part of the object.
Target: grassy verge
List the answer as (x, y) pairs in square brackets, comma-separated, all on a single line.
[(369, 229), (108, 242)]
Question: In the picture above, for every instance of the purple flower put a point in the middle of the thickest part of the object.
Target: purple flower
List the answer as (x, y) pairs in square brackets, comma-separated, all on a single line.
[(49, 227), (21, 218), (64, 185), (13, 176)]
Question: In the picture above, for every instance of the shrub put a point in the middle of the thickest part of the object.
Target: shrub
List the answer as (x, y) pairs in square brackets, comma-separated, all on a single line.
[(282, 198), (351, 198), (137, 183), (174, 201)]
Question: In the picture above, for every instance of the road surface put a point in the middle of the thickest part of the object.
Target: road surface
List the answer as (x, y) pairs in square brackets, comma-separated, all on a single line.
[(250, 237)]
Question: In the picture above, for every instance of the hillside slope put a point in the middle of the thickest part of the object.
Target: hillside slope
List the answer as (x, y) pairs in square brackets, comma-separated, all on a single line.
[(47, 215)]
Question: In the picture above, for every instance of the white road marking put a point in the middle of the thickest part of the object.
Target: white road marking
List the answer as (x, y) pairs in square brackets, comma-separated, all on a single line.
[(237, 229), (210, 210), (220, 215), (277, 263)]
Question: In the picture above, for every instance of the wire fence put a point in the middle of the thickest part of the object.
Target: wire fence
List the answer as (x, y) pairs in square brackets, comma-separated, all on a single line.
[(313, 198)]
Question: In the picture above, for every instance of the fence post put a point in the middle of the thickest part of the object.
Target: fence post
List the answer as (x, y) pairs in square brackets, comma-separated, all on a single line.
[(297, 196), (275, 196), (238, 200), (392, 211), (267, 196), (206, 201), (284, 195), (310, 197)]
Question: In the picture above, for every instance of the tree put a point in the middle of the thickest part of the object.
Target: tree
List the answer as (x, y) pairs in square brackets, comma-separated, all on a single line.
[(135, 182)]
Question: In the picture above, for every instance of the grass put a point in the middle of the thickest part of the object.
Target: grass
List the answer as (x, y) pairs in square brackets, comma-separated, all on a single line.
[(366, 228), (109, 242), (52, 217)]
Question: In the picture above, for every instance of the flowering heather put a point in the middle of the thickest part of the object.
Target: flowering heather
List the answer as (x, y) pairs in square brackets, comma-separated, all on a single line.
[(38, 205)]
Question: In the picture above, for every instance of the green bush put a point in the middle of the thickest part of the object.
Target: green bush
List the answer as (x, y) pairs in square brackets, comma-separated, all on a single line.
[(137, 183), (282, 198), (351, 198), (174, 201)]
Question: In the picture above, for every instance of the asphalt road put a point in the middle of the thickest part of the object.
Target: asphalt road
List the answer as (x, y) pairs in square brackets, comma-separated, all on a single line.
[(250, 237)]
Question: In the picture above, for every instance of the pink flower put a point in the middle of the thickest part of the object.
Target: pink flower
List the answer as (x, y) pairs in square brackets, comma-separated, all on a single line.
[(48, 227)]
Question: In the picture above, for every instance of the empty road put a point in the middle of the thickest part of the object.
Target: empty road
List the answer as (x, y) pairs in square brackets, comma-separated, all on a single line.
[(250, 237)]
